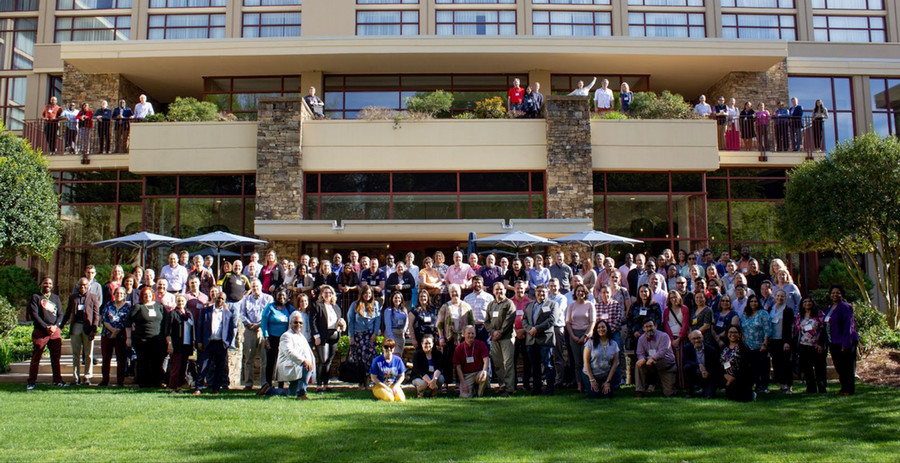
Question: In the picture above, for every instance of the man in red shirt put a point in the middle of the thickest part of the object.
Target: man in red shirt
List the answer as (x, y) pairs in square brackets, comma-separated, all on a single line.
[(514, 96), (471, 360), (51, 115)]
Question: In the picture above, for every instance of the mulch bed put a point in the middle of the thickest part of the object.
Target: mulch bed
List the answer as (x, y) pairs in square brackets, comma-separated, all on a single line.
[(881, 367)]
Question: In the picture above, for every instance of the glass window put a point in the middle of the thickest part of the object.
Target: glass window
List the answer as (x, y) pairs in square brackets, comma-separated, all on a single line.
[(759, 27), (687, 181), (186, 26), (384, 2), (476, 22), (12, 104), (186, 3), (758, 3), (92, 28), (88, 192), (640, 216), (19, 5), (666, 2), (835, 95), (387, 22), (717, 221), (676, 25), (240, 95), (494, 207), (848, 4), (355, 183), (54, 87), (280, 24), (849, 28), (424, 207), (493, 181), (198, 216), (424, 182), (753, 221), (474, 1), (355, 207), (272, 2), (205, 185), (92, 4), (17, 38), (637, 182), (572, 23), (161, 185), (885, 97), (83, 225), (571, 2)]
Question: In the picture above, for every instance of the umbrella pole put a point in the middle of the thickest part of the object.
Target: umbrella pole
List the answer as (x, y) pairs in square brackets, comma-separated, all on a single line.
[(218, 262)]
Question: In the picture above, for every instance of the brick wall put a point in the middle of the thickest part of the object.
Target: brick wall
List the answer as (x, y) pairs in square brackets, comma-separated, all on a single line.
[(767, 87), (570, 187)]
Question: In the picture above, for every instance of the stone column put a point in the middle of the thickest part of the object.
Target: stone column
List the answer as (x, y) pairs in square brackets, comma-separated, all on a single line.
[(279, 177), (570, 183), (768, 87), (93, 88)]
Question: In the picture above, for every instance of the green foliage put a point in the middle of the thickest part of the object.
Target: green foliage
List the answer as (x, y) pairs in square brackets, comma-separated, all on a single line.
[(29, 205), (435, 104), (343, 346), (613, 115), (490, 108), (104, 271), (191, 110), (17, 285), (873, 329), (838, 273), (9, 317), (15, 346), (465, 115), (666, 105), (156, 117), (848, 202)]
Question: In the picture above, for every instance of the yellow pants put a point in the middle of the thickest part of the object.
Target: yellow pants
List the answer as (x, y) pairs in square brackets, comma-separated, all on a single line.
[(387, 394)]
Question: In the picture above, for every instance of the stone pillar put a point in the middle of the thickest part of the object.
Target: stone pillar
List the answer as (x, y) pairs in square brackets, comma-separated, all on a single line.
[(768, 87), (93, 88), (570, 185)]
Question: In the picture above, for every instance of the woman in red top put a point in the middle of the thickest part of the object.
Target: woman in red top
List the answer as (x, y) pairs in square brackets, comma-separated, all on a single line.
[(85, 124)]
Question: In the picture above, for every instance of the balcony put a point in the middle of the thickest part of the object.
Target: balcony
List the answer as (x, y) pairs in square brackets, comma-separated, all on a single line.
[(653, 145), (782, 141), (207, 147)]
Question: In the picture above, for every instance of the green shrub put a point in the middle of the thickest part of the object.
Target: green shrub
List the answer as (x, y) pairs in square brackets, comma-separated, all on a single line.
[(614, 115), (15, 346), (666, 105), (191, 110), (435, 104), (9, 317), (490, 108), (465, 115), (157, 117), (838, 273), (871, 326), (17, 285), (343, 346)]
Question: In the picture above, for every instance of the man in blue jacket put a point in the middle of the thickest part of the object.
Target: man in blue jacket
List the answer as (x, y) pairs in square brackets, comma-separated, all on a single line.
[(215, 332), (796, 123)]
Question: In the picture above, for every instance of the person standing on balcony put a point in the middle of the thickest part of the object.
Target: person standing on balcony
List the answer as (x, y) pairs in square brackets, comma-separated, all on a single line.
[(820, 113), (603, 98), (702, 108), (721, 112), (103, 116), (762, 127), (625, 98), (514, 96), (796, 124), (732, 142), (581, 90), (316, 105), (52, 113), (143, 108), (122, 115), (529, 104), (782, 122), (85, 125), (538, 97), (748, 127), (70, 114)]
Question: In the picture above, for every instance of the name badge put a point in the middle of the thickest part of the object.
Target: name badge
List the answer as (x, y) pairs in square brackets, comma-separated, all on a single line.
[(694, 321), (651, 352), (519, 313), (426, 319), (81, 307), (470, 359), (431, 368), (643, 311), (827, 318), (151, 313), (604, 316), (726, 365), (720, 323), (495, 314), (545, 309), (808, 328)]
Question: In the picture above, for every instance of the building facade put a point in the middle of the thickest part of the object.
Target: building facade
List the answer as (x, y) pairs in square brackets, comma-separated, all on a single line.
[(325, 186)]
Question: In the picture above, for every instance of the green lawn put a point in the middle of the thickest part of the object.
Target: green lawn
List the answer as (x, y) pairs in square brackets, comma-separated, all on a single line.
[(90, 424)]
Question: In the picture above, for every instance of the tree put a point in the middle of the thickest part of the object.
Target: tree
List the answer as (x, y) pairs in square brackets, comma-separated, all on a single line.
[(849, 202), (29, 205)]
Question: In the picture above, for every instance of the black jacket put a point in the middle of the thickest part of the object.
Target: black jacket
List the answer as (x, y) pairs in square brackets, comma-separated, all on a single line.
[(173, 326), (318, 322), (420, 363), (45, 311)]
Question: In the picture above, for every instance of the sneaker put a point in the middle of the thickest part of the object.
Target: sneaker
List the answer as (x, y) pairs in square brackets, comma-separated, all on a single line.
[(302, 397), (788, 391), (103, 383), (86, 382), (62, 384), (754, 397), (264, 389), (29, 387), (197, 392)]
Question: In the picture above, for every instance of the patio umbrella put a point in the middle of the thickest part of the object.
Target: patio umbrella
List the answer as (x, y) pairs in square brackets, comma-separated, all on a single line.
[(207, 251), (143, 241), (218, 240), (594, 238), (516, 239), (497, 251)]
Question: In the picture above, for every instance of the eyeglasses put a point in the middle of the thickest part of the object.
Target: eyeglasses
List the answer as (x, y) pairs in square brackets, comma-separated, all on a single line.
[(297, 323), (692, 258)]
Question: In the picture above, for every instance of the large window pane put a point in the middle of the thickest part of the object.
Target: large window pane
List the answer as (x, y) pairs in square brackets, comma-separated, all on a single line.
[(159, 215), (355, 207), (640, 216), (83, 225), (753, 221), (717, 220), (424, 207), (494, 206), (206, 215)]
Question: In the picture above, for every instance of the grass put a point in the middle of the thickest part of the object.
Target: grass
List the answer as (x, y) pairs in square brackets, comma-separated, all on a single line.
[(90, 424)]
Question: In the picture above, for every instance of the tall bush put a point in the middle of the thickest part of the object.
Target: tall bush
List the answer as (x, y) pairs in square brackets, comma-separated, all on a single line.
[(666, 105), (9, 317), (490, 108), (435, 104), (17, 285), (191, 110)]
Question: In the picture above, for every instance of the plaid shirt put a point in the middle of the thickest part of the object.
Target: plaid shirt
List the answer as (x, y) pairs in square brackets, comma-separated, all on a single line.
[(611, 313)]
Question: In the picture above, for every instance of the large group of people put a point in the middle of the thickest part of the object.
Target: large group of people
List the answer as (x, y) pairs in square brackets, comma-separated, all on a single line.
[(680, 321), (76, 125)]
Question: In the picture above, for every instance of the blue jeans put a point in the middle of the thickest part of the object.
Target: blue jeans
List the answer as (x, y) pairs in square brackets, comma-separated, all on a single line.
[(295, 388), (613, 386), (542, 357)]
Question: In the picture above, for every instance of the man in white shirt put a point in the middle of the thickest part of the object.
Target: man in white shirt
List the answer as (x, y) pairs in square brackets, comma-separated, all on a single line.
[(174, 274), (143, 109), (479, 300), (702, 109), (603, 98)]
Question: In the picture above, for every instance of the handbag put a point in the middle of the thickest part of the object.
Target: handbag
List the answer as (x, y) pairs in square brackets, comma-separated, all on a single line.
[(352, 372)]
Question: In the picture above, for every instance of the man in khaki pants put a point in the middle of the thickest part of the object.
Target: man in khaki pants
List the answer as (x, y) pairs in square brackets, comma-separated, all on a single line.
[(83, 312), (499, 321), (254, 343)]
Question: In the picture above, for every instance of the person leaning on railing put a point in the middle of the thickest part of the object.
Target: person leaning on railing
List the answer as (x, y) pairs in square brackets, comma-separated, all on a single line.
[(103, 116), (85, 125), (52, 113), (70, 114), (122, 116)]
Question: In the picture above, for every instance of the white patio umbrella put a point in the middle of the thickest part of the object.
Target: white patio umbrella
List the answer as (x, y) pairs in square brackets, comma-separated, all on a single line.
[(218, 240), (516, 239), (142, 240)]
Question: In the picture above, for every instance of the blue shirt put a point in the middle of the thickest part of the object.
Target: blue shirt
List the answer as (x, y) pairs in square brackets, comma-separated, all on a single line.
[(757, 329), (538, 277), (387, 372), (357, 323), (115, 318), (275, 320), (393, 319), (373, 279)]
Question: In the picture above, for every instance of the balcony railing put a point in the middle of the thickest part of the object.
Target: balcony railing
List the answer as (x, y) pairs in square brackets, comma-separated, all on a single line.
[(773, 134), (62, 137)]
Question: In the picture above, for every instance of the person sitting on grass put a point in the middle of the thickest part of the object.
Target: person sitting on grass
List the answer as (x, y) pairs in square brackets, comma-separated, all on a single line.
[(601, 363), (427, 376), (701, 367), (387, 373), (655, 358), (295, 362), (471, 361)]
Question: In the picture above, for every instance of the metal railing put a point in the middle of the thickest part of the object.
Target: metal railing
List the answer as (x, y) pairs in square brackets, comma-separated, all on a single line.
[(773, 134), (60, 137)]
